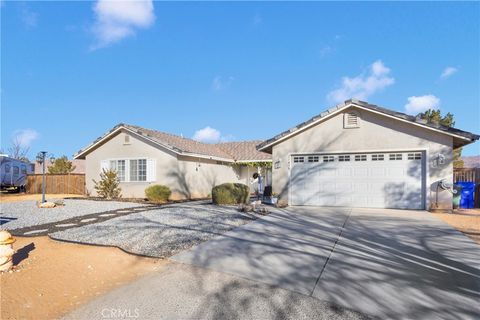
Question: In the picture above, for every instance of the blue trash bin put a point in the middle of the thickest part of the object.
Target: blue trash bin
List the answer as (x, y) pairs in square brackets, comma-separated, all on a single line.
[(467, 198)]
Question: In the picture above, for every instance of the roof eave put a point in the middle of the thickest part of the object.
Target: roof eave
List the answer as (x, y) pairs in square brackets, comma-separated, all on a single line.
[(250, 161)]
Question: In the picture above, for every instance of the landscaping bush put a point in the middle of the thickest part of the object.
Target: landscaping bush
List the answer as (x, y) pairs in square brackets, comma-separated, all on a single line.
[(109, 186), (230, 193), (158, 193)]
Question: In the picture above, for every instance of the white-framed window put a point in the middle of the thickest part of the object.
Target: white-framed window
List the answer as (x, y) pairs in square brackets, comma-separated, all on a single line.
[(24, 169), (415, 156), (298, 159), (377, 157), (351, 119), (7, 168), (395, 156), (361, 157), (313, 158), (138, 170), (16, 170), (119, 166), (328, 158), (132, 170), (344, 158)]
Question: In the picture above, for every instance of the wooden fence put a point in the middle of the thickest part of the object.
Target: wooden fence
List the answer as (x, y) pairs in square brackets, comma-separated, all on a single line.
[(57, 183), (469, 175)]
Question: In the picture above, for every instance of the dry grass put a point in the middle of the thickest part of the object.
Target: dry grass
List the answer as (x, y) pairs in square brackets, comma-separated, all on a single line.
[(12, 197), (464, 220)]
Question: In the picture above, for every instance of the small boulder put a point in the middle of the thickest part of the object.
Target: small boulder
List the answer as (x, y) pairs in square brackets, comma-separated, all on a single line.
[(47, 205), (245, 208), (262, 210), (281, 204), (59, 202)]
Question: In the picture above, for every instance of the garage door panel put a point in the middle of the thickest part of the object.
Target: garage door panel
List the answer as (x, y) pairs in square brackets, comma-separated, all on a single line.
[(328, 172), (395, 172), (344, 173), (343, 187), (377, 172), (359, 201), (343, 201), (359, 187), (369, 183), (360, 172)]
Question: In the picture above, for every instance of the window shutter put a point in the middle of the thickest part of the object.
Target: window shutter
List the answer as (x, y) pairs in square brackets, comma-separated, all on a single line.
[(151, 172), (104, 165)]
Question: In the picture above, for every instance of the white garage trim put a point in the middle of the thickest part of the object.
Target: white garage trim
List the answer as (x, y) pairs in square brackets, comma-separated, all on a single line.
[(386, 175)]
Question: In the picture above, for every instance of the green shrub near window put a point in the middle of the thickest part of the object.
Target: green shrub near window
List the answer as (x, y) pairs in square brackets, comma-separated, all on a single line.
[(230, 193), (109, 186), (158, 193)]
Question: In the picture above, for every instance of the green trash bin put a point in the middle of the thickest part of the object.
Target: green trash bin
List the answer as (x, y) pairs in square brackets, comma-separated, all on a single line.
[(457, 196)]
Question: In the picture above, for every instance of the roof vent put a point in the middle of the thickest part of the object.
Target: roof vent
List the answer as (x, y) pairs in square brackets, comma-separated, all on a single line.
[(351, 119)]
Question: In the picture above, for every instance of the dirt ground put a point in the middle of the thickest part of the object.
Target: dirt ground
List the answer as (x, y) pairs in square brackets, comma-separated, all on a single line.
[(12, 197), (464, 220), (50, 278)]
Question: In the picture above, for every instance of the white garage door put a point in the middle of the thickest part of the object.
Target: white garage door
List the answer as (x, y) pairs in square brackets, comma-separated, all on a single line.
[(369, 180)]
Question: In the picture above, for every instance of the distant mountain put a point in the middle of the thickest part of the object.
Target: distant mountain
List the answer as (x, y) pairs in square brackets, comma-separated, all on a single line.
[(471, 162)]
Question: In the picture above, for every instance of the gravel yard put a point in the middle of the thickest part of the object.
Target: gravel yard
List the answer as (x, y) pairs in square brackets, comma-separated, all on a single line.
[(22, 214), (161, 232)]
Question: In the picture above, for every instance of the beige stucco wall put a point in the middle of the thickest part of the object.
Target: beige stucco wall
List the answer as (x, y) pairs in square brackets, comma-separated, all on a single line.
[(376, 133), (187, 177), (195, 177)]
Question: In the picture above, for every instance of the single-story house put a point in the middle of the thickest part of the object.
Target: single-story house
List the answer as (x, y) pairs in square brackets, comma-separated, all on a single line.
[(143, 157), (362, 155)]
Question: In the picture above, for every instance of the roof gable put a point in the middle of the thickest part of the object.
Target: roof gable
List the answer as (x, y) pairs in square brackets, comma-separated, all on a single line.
[(464, 136)]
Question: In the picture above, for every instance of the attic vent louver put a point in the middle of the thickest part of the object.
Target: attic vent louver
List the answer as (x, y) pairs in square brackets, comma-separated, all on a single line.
[(351, 120)]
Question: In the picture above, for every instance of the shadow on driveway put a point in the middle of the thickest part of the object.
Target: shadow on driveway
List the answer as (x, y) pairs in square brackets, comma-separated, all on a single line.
[(387, 263)]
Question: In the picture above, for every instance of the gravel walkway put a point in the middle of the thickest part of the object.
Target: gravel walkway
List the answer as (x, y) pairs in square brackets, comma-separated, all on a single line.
[(161, 232), (21, 214)]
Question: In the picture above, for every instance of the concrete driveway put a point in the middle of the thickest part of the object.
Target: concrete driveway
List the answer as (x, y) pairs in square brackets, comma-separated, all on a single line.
[(313, 263), (386, 263)]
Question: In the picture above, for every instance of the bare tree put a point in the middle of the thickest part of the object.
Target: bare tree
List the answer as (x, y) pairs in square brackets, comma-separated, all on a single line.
[(18, 150)]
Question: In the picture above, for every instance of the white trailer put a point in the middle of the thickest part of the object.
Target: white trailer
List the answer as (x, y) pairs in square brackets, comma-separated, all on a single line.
[(13, 173)]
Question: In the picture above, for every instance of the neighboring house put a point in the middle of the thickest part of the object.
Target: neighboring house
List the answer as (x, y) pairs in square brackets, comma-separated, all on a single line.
[(361, 155), (189, 168), (471, 162), (78, 163)]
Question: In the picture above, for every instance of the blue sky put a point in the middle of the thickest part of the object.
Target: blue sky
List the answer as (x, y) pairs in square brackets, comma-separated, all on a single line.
[(227, 71)]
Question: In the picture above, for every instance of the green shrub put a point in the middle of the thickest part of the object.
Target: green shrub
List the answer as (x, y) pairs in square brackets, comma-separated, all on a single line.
[(230, 193), (158, 193), (109, 186)]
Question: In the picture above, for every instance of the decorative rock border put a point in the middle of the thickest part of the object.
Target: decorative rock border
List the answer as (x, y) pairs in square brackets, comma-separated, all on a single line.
[(75, 222)]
